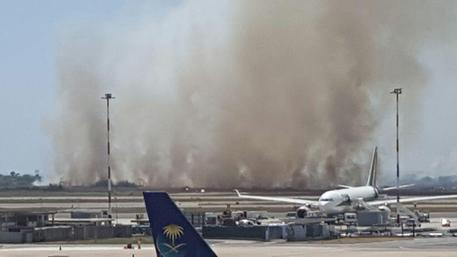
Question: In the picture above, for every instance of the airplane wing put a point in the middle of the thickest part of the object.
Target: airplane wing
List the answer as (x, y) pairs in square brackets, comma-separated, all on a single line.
[(394, 187), (277, 199), (411, 200)]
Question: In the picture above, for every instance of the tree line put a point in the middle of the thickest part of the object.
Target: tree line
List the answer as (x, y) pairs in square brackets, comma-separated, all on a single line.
[(17, 180)]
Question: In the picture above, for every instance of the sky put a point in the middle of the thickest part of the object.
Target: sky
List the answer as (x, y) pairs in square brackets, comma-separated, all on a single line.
[(29, 41), (428, 142)]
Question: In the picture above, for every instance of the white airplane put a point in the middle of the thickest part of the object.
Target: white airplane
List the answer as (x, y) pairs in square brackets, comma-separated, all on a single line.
[(349, 198)]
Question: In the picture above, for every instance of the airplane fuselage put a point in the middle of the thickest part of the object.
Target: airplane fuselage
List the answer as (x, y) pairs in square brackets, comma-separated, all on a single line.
[(342, 200)]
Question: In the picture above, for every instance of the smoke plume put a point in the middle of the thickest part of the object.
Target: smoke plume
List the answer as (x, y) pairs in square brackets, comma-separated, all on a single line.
[(240, 93)]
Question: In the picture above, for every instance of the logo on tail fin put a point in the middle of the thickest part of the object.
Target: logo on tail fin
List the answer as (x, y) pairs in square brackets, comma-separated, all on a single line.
[(168, 243), (173, 232)]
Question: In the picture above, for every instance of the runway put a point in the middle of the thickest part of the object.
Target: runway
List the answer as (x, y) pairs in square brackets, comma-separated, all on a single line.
[(127, 206), (422, 247)]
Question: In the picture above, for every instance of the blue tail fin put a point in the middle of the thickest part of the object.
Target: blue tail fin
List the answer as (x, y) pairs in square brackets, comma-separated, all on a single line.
[(173, 235)]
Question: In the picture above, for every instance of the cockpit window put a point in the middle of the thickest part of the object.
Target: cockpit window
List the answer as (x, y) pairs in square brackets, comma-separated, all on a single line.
[(326, 199)]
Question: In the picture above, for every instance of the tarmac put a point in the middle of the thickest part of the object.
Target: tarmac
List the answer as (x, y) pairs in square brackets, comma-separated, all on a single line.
[(421, 247), (128, 206)]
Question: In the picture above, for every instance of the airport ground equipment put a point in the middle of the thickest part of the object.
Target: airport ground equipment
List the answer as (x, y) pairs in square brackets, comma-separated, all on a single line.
[(408, 217), (372, 217), (350, 218), (423, 217), (311, 231)]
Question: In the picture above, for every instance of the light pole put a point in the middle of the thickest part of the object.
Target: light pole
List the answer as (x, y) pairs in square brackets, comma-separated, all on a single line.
[(108, 97), (397, 92)]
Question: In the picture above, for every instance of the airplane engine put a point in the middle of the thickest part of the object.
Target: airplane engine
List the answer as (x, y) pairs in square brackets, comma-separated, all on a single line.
[(302, 212), (359, 205)]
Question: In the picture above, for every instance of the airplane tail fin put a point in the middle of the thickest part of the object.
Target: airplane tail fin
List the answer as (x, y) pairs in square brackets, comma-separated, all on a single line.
[(173, 234), (373, 168)]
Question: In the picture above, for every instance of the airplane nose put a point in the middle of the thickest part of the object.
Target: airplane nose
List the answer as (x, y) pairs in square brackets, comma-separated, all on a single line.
[(323, 207)]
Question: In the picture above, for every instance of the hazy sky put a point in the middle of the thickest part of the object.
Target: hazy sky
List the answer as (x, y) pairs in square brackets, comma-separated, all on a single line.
[(28, 74), (29, 41)]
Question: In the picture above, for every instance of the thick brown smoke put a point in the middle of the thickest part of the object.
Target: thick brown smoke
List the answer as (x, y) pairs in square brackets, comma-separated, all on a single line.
[(241, 93)]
